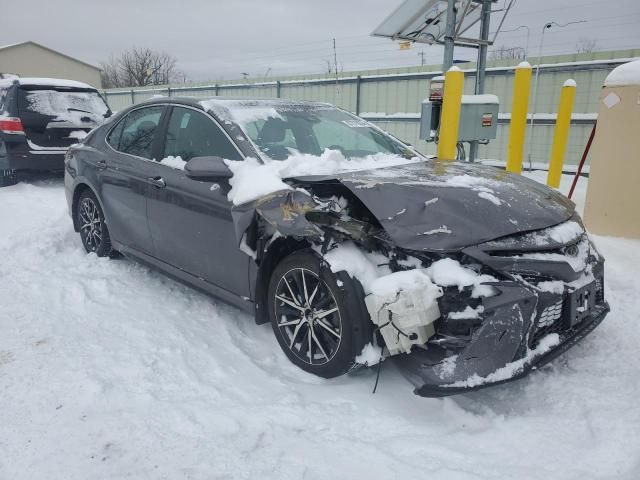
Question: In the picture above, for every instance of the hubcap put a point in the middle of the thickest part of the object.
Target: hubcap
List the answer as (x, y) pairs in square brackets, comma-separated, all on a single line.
[(90, 224), (308, 316)]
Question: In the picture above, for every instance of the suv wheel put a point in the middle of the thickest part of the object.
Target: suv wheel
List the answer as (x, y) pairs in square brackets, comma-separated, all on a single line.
[(8, 177), (316, 323), (93, 229)]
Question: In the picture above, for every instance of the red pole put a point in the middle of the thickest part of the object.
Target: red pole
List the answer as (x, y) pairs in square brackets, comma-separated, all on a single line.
[(583, 159)]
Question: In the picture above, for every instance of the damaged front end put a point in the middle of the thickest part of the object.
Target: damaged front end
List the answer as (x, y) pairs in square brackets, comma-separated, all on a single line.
[(549, 295), (453, 321)]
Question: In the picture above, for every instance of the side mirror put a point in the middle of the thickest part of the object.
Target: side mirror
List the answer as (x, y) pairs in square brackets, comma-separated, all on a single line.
[(207, 168)]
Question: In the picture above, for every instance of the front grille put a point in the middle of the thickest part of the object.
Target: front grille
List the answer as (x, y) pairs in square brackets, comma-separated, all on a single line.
[(550, 315), (562, 316), (600, 290), (557, 326)]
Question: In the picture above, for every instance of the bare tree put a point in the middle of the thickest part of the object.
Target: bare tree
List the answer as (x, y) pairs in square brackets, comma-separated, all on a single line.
[(586, 45), (507, 53), (109, 74), (139, 67)]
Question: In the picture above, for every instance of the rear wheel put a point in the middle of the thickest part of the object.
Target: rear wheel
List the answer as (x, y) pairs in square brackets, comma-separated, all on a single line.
[(93, 229), (312, 317), (8, 177)]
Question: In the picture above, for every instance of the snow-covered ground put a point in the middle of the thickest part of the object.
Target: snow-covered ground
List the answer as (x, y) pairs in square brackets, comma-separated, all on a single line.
[(110, 370)]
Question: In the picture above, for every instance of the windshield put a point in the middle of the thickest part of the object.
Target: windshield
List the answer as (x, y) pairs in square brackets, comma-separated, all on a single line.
[(284, 130), (75, 106)]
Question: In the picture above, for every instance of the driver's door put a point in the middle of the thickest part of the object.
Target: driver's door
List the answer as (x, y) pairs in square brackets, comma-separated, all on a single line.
[(190, 221)]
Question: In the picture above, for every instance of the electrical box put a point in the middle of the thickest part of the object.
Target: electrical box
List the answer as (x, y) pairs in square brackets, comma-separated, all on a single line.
[(429, 120), (478, 118), (430, 110)]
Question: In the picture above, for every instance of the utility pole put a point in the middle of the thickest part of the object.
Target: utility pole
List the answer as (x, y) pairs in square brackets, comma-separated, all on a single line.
[(485, 20)]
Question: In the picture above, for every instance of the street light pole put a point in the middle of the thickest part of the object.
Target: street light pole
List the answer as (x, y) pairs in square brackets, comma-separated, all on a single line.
[(546, 27)]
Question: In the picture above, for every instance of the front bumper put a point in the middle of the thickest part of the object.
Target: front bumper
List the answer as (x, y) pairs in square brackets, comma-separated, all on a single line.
[(473, 372)]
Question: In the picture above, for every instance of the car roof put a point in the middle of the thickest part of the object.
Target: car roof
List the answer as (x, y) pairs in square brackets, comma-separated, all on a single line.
[(197, 102)]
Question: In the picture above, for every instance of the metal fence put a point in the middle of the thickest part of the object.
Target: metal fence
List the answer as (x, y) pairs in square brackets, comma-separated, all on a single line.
[(392, 98)]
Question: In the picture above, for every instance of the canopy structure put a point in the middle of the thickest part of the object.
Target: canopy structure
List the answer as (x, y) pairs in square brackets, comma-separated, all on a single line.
[(426, 21), (448, 23)]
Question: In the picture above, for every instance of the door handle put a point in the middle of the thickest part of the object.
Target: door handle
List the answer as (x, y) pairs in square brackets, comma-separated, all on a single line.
[(157, 182), (102, 164)]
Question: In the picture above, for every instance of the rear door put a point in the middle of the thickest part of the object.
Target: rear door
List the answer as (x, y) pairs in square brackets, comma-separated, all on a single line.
[(125, 175), (190, 220), (56, 117)]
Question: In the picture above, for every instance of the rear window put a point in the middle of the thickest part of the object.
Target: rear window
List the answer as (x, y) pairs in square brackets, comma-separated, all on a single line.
[(75, 106)]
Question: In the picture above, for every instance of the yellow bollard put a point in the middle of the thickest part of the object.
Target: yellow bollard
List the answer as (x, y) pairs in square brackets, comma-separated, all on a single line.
[(561, 134), (450, 117), (518, 124)]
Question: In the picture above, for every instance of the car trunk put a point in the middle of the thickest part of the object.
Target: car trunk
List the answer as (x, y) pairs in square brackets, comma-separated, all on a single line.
[(56, 117)]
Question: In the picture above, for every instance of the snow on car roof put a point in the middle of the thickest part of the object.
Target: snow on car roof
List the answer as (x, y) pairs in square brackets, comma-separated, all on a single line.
[(246, 110), (46, 82)]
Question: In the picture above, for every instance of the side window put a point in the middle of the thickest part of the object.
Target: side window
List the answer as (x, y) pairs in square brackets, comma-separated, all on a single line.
[(114, 136), (193, 134), (135, 133)]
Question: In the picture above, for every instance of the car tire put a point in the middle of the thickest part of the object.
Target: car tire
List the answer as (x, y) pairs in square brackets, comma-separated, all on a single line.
[(8, 177), (92, 226), (320, 332)]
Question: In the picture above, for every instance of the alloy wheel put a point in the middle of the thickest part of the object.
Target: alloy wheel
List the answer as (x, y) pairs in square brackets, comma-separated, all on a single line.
[(308, 317), (90, 224)]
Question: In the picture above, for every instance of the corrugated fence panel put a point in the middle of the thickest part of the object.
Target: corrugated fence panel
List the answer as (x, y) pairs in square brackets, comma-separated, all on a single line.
[(142, 95), (401, 91), (205, 93), (118, 100), (408, 131)]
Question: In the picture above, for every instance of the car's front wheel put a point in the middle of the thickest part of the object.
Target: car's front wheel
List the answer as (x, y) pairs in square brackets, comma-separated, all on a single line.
[(317, 323), (93, 228)]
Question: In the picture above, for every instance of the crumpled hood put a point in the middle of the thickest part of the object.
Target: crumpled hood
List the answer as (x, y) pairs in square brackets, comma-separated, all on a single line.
[(444, 206)]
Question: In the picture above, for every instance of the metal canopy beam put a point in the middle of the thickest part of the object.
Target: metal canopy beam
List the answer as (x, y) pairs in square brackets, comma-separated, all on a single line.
[(428, 21)]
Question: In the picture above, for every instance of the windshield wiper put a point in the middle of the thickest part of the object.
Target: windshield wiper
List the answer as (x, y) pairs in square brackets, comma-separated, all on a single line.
[(78, 110)]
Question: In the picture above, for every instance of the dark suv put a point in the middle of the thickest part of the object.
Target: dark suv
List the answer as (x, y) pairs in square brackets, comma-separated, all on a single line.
[(40, 118)]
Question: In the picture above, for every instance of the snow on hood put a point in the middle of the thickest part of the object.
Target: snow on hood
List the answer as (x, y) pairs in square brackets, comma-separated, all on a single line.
[(476, 203), (253, 179)]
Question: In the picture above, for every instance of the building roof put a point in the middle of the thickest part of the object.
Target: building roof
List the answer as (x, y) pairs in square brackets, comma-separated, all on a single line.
[(13, 45)]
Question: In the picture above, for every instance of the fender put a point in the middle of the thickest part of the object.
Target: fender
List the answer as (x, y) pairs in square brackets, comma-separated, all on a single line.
[(78, 182)]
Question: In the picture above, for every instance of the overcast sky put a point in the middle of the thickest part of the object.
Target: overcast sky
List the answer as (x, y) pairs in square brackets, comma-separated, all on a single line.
[(221, 39)]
